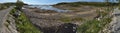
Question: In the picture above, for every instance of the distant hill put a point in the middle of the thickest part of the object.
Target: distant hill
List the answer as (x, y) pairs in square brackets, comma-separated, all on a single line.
[(88, 3), (6, 5), (11, 3)]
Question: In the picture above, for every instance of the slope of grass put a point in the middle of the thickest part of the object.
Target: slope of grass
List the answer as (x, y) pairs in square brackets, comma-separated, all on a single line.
[(93, 26), (23, 24), (69, 19)]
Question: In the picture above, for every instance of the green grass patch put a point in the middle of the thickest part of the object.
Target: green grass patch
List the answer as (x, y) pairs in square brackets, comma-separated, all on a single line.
[(24, 25), (13, 11), (93, 26), (65, 19), (69, 19), (3, 7)]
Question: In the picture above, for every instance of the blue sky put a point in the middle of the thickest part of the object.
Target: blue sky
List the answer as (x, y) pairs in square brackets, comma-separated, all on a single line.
[(47, 2)]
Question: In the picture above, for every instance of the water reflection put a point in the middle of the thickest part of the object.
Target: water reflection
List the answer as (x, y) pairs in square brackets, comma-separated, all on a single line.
[(48, 7)]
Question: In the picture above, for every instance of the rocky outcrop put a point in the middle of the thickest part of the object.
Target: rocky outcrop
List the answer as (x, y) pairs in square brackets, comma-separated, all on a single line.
[(63, 28), (9, 25)]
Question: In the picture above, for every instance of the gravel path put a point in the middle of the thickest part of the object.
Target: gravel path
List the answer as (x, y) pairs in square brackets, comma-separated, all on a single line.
[(3, 16)]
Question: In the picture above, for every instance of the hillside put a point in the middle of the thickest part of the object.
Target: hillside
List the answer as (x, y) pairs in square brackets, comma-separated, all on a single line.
[(87, 3), (74, 17)]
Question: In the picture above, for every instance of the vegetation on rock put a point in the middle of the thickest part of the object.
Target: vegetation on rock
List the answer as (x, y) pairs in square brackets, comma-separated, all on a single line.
[(23, 24)]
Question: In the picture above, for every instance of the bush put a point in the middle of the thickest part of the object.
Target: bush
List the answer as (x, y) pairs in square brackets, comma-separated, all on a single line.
[(24, 25)]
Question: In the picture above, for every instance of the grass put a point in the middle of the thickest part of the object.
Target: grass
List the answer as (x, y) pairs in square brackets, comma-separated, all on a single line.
[(69, 19), (3, 7), (65, 19), (13, 11), (93, 26), (23, 24)]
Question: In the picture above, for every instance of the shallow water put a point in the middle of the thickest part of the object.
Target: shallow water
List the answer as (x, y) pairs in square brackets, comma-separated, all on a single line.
[(48, 7)]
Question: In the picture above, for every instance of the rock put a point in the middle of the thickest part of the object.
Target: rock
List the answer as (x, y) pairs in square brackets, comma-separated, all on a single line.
[(64, 28), (9, 25)]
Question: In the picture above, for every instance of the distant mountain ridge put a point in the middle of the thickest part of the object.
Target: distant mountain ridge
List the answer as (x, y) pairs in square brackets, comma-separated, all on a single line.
[(88, 3)]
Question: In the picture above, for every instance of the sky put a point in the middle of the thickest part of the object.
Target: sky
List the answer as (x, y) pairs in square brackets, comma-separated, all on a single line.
[(48, 2)]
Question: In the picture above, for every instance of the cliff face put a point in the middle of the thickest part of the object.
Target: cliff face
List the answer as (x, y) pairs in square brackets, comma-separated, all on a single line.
[(9, 25)]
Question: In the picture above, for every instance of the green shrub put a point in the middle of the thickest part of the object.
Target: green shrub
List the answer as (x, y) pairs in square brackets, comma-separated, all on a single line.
[(24, 25), (13, 11)]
